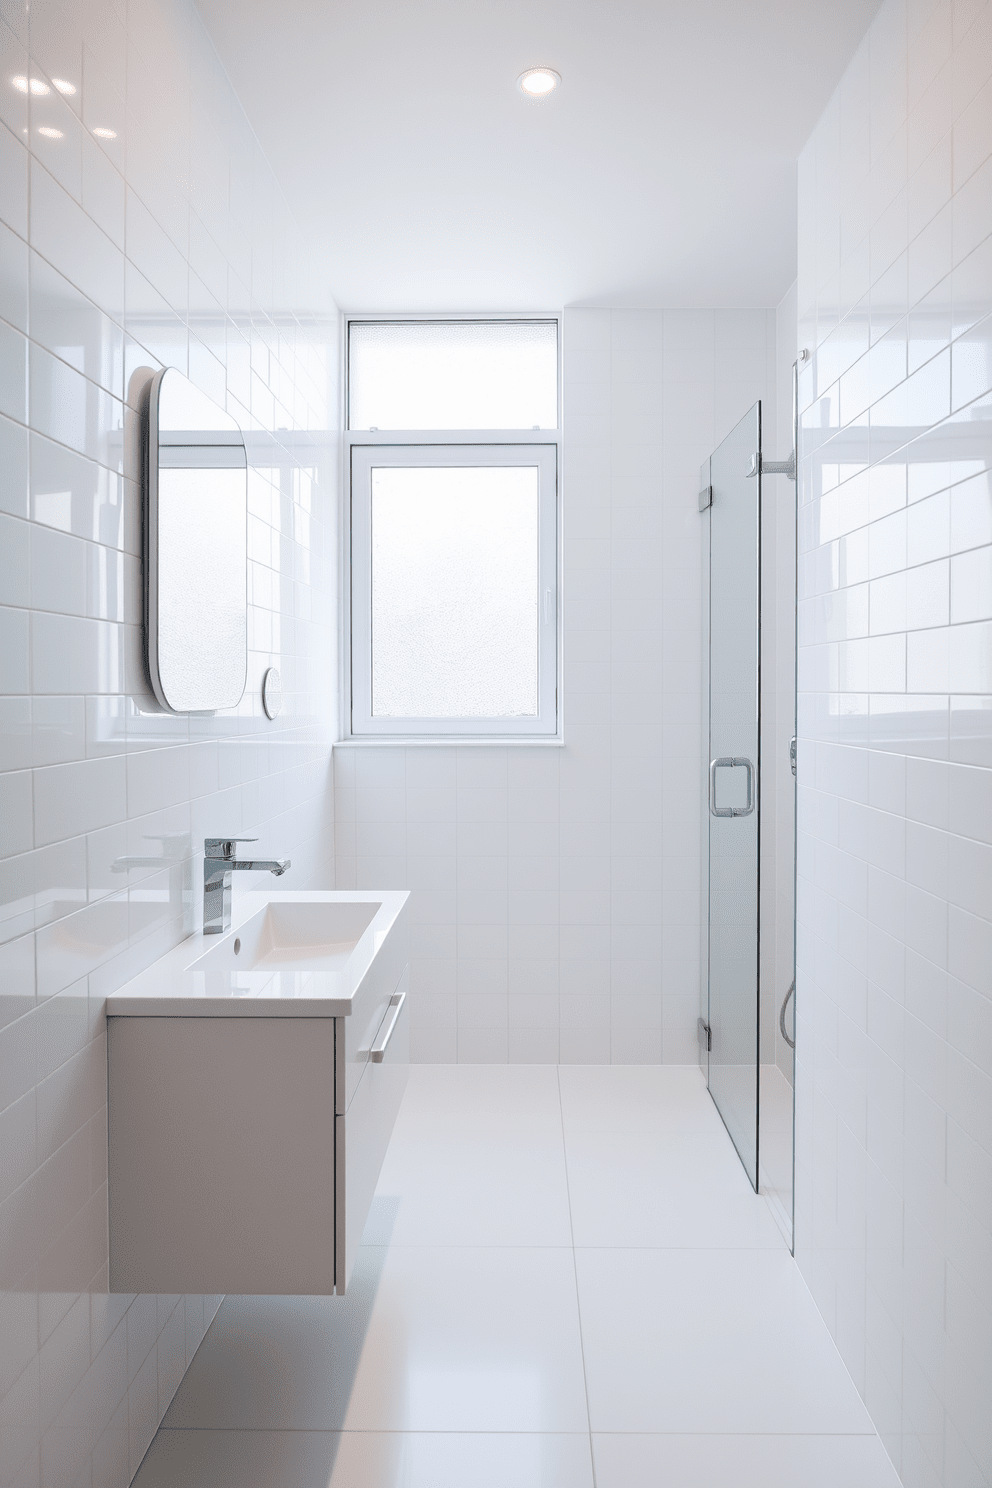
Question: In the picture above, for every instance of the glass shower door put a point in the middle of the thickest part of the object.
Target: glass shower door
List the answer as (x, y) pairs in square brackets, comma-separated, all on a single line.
[(733, 804)]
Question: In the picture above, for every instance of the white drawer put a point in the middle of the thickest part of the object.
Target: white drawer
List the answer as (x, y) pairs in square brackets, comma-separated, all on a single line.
[(369, 1007), (362, 1133)]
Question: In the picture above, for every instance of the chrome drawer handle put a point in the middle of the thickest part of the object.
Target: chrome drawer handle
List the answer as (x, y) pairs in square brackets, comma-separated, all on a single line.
[(731, 762), (377, 1053)]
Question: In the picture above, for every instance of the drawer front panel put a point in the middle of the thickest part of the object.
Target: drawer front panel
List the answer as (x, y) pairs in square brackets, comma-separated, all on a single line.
[(221, 1155), (357, 1032), (363, 1134)]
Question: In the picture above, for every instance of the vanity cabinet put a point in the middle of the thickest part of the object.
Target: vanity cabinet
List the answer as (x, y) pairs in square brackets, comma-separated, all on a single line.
[(245, 1148)]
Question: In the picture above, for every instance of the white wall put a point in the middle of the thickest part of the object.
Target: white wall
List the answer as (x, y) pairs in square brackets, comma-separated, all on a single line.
[(894, 1080), (168, 243), (555, 891)]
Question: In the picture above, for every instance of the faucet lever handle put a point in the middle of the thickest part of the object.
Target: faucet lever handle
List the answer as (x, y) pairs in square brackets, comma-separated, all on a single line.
[(222, 847)]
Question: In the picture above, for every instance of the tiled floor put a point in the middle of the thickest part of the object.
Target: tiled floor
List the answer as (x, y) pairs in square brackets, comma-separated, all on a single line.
[(566, 1282)]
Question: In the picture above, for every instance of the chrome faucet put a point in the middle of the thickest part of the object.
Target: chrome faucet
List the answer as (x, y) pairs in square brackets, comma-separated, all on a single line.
[(219, 863)]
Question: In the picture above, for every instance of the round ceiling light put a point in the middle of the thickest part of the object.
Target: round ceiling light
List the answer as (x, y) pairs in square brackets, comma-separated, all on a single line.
[(538, 82), (65, 88), (31, 85)]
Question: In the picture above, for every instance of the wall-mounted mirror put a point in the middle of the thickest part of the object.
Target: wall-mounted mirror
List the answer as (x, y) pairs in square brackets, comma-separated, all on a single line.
[(196, 549)]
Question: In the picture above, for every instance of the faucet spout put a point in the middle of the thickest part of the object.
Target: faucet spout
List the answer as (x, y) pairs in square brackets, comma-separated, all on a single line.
[(219, 863)]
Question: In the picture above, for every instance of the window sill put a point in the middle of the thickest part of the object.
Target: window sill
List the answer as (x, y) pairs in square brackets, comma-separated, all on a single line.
[(448, 741)]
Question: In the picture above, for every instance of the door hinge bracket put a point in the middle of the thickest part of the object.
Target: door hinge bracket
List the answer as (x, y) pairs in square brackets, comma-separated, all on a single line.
[(760, 466), (705, 1034)]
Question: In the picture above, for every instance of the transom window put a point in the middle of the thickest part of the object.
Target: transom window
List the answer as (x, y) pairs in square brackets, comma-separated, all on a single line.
[(454, 528)]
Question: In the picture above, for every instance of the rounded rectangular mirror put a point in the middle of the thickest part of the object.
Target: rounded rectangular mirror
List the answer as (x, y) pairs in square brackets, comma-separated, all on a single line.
[(196, 549)]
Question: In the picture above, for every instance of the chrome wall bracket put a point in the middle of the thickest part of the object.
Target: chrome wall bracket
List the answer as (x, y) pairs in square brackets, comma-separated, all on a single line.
[(772, 467)]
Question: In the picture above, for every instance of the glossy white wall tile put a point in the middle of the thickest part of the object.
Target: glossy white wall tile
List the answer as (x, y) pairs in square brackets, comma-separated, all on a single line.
[(555, 891), (894, 1081), (139, 225)]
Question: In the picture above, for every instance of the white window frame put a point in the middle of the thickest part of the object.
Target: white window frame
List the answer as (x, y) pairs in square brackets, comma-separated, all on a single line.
[(362, 450)]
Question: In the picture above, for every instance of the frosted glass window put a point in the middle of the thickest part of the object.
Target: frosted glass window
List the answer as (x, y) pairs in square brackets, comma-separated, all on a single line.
[(455, 592), (480, 374), (454, 608)]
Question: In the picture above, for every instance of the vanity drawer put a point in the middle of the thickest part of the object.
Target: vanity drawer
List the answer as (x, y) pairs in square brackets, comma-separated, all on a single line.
[(362, 1133), (369, 1008)]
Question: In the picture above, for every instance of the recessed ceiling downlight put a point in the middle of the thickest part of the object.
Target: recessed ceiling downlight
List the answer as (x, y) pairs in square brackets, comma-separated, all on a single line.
[(31, 85), (538, 82)]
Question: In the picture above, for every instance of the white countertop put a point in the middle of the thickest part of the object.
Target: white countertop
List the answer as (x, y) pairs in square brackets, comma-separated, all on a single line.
[(173, 987)]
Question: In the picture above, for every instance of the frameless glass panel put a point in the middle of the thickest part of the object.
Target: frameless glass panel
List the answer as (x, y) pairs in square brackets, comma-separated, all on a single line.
[(733, 787), (455, 592), (453, 374)]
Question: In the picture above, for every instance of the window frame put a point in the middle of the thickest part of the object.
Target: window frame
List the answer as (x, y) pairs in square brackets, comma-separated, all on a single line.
[(359, 726)]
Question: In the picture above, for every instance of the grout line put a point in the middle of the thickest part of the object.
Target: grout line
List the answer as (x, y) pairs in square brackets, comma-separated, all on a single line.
[(575, 1273)]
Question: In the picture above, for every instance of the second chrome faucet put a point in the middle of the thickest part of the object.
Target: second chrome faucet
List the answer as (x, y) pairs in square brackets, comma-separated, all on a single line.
[(219, 863)]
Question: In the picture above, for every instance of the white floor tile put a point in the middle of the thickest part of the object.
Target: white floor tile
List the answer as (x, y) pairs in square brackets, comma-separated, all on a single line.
[(238, 1459), (462, 1460), (476, 1159), (709, 1341), (425, 1340), (640, 1461), (627, 1097), (367, 1459), (658, 1190)]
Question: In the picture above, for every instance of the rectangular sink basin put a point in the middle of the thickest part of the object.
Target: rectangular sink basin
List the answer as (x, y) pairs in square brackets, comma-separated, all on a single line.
[(295, 955), (298, 935)]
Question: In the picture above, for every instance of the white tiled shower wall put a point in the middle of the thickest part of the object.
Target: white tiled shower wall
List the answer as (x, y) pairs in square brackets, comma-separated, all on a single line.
[(894, 1084), (161, 240), (555, 891)]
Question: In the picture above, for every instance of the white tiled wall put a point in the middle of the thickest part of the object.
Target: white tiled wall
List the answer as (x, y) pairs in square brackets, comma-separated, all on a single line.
[(894, 1082), (555, 891), (140, 226)]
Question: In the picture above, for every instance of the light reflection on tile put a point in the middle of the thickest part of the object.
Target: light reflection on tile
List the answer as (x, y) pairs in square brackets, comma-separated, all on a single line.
[(75, 919), (929, 447)]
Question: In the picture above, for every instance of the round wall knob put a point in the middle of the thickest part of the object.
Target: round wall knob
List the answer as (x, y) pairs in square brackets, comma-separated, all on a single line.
[(272, 693)]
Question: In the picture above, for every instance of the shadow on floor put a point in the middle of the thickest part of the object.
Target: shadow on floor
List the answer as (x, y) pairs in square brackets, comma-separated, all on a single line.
[(272, 1363)]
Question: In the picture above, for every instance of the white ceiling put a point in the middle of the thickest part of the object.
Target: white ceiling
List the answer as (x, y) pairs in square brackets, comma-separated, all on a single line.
[(662, 172)]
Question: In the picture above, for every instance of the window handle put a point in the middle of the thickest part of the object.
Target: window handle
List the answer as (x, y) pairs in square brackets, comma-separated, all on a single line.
[(547, 606)]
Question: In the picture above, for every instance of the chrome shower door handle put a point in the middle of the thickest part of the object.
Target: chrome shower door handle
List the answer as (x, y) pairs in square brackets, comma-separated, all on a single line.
[(716, 810), (731, 762)]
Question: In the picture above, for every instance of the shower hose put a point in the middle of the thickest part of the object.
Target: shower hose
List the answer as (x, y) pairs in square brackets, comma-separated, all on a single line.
[(781, 1017)]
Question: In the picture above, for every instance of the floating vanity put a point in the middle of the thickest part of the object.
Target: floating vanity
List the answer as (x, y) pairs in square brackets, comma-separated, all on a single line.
[(254, 1079)]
